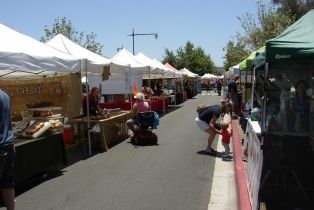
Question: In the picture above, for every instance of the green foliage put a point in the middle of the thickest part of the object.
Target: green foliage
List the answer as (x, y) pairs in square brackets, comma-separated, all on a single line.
[(191, 58), (169, 57), (65, 27), (296, 8), (269, 23), (235, 53)]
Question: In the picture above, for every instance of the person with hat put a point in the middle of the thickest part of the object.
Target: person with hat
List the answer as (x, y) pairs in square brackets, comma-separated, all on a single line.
[(140, 105)]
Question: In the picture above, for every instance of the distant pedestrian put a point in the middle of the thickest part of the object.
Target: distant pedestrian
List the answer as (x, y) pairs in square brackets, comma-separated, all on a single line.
[(207, 121), (219, 86), (7, 152), (234, 96), (226, 134)]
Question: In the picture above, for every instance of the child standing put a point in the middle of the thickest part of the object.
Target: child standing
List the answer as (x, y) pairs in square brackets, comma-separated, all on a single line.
[(226, 134)]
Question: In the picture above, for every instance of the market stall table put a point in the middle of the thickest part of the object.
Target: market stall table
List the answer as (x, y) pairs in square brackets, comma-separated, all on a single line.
[(104, 125), (155, 103), (34, 156)]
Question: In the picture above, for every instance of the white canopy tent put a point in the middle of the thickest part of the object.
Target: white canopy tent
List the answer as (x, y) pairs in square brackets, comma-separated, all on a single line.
[(67, 46), (232, 71), (168, 73), (188, 73), (156, 71), (209, 76), (134, 76), (22, 57)]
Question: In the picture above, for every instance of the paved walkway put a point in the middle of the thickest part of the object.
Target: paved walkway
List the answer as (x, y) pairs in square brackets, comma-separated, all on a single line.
[(224, 193)]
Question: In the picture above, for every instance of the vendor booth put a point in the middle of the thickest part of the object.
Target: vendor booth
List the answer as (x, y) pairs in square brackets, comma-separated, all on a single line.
[(283, 105), (193, 83), (246, 71), (113, 72), (177, 84), (36, 75)]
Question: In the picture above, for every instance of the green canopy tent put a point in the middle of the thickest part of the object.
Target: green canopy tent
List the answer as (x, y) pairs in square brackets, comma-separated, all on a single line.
[(247, 63), (246, 67), (288, 59), (296, 42)]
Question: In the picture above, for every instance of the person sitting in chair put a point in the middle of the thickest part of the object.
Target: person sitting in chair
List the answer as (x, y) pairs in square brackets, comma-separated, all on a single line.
[(139, 106)]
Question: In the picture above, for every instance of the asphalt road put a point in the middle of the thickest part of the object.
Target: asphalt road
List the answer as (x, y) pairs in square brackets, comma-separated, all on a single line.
[(173, 175)]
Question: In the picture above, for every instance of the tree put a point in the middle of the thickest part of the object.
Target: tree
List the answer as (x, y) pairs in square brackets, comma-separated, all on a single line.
[(65, 27), (296, 8), (169, 57), (269, 23), (235, 53), (191, 58)]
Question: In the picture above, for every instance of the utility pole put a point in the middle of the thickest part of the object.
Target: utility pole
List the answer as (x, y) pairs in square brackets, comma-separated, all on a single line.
[(134, 34)]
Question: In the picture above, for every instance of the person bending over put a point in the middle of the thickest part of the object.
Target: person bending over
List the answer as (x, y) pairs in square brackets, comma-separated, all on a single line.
[(207, 121)]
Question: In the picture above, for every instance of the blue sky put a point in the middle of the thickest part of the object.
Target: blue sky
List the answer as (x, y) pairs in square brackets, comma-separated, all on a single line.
[(207, 24)]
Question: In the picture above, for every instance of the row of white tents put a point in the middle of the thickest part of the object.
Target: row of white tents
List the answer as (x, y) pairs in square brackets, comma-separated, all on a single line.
[(23, 57)]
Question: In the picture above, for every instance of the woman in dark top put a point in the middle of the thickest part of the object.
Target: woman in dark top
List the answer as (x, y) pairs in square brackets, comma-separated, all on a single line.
[(93, 102), (207, 119)]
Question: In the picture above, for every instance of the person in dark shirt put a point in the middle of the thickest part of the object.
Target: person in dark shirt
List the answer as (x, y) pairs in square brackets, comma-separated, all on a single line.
[(7, 152), (234, 96), (207, 121), (93, 102)]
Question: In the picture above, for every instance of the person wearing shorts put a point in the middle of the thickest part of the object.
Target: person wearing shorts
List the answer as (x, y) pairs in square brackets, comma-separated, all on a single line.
[(207, 122), (7, 152)]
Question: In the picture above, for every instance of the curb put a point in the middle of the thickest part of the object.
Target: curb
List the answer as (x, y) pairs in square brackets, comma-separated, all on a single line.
[(239, 169)]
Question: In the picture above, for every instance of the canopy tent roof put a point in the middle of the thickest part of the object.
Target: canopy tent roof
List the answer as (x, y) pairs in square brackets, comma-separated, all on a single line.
[(209, 76), (156, 71), (189, 73), (296, 42), (247, 63), (127, 58), (168, 73), (22, 56), (67, 46), (234, 69), (176, 72)]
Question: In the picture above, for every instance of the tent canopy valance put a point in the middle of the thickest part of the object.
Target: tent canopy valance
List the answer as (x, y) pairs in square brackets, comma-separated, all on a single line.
[(23, 56)]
